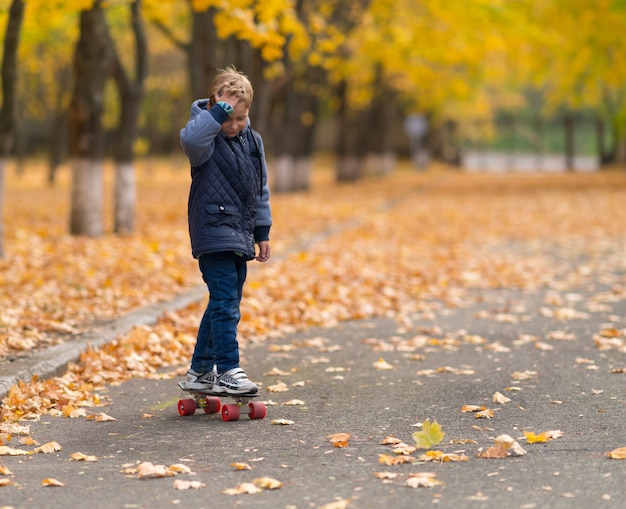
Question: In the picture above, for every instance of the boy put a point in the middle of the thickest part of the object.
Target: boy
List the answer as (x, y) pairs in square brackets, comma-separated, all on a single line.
[(228, 213)]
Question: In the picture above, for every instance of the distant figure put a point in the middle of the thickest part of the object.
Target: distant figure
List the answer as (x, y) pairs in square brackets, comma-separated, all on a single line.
[(228, 213), (416, 128)]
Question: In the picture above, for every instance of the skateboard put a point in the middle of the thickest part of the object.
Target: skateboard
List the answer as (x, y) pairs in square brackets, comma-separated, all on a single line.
[(211, 403)]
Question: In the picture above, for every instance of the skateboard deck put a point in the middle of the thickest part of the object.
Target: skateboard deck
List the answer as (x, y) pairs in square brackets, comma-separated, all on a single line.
[(211, 403)]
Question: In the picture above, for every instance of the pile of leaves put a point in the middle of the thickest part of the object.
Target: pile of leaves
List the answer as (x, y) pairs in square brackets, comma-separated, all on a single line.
[(380, 247)]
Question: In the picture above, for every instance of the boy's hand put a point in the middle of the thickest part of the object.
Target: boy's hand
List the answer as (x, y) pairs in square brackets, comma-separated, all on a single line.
[(264, 251), (229, 94)]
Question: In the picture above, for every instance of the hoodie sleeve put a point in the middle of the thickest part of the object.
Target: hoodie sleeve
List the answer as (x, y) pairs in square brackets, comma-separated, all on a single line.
[(197, 138)]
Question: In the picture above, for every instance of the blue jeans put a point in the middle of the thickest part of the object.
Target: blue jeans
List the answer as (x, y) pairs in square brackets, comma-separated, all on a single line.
[(216, 343)]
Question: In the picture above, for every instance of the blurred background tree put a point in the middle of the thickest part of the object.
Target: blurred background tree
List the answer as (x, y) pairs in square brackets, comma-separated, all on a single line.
[(338, 76)]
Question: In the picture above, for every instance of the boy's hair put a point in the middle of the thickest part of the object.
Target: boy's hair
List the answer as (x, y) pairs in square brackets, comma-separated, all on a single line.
[(233, 81)]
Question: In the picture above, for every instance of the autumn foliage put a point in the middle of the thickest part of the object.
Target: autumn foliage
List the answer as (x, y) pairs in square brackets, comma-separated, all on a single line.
[(382, 247)]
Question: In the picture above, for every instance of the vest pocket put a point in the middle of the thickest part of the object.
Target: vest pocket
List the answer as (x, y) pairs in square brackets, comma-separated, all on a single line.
[(222, 215)]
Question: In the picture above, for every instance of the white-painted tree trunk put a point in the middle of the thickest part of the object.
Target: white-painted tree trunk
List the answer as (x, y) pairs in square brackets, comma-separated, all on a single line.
[(302, 174), (86, 215), (125, 198), (348, 169), (379, 165), (283, 173)]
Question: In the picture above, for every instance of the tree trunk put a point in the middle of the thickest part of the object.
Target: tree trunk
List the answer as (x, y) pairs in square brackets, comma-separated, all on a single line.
[(57, 143), (131, 96), (570, 149), (58, 120), (9, 97), (87, 197), (202, 51), (351, 143), (3, 164), (296, 113), (86, 132), (379, 154), (125, 197)]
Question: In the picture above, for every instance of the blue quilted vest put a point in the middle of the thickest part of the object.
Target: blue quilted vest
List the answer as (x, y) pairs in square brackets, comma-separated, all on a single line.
[(221, 205)]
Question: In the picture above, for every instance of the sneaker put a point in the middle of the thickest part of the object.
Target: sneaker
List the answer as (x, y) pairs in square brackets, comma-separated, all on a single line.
[(200, 381), (234, 381)]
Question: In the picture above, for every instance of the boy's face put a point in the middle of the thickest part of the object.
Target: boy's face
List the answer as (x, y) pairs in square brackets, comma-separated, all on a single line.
[(237, 121)]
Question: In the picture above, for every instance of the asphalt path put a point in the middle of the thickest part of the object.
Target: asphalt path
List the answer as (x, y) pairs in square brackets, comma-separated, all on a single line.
[(436, 362)]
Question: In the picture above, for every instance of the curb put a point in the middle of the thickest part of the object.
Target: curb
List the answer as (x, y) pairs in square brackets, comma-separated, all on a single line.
[(53, 361)]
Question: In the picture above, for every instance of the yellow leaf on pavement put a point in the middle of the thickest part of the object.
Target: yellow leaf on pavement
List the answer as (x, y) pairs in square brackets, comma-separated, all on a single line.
[(430, 435), (532, 438)]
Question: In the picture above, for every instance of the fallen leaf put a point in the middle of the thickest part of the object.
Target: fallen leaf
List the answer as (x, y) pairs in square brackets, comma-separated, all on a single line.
[(147, 470), (485, 414), (241, 466), (382, 364), (430, 435), (48, 448), (388, 459), (617, 454), (180, 484), (338, 504), (531, 438), (246, 488), (268, 483), (442, 456), (391, 441), (102, 417), (50, 481), (294, 402), (9, 451), (523, 375), (5, 482), (79, 456), (282, 422), (473, 408), (423, 480), (179, 468), (494, 452), (404, 449), (509, 444), (385, 475), (279, 387), (339, 439), (276, 372), (500, 398)]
